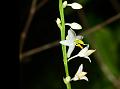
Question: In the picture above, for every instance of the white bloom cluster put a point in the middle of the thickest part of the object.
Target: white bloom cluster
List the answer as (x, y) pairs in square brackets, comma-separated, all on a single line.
[(73, 40)]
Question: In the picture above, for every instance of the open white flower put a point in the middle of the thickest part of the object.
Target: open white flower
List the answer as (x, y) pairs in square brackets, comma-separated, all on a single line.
[(80, 75), (74, 25), (83, 53), (71, 41), (73, 5)]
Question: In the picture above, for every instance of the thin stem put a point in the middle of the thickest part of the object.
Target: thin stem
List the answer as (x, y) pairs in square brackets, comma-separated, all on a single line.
[(37, 50), (41, 4), (27, 25), (61, 10), (34, 7), (97, 27)]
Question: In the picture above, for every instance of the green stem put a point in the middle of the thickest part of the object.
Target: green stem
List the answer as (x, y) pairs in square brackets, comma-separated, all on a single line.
[(61, 10)]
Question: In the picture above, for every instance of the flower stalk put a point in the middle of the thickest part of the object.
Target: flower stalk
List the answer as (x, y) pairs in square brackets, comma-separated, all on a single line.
[(71, 40), (62, 29)]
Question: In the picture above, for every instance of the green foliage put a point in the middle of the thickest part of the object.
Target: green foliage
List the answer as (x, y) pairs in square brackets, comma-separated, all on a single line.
[(107, 48), (102, 84)]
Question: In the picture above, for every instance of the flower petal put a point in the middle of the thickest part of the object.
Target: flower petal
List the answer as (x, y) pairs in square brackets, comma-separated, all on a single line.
[(89, 52), (64, 4), (58, 21), (75, 5), (84, 78), (83, 51), (74, 25), (71, 34), (79, 69), (70, 50), (75, 78), (65, 42)]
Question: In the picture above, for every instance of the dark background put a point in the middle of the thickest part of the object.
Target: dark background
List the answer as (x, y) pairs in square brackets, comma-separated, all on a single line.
[(45, 70)]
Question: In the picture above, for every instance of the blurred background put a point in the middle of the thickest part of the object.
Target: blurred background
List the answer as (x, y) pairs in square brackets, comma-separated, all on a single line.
[(41, 63)]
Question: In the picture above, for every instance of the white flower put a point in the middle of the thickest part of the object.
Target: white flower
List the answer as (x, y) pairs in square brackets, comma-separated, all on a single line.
[(80, 75), (74, 25), (71, 41), (64, 4), (58, 21), (83, 53), (73, 5)]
